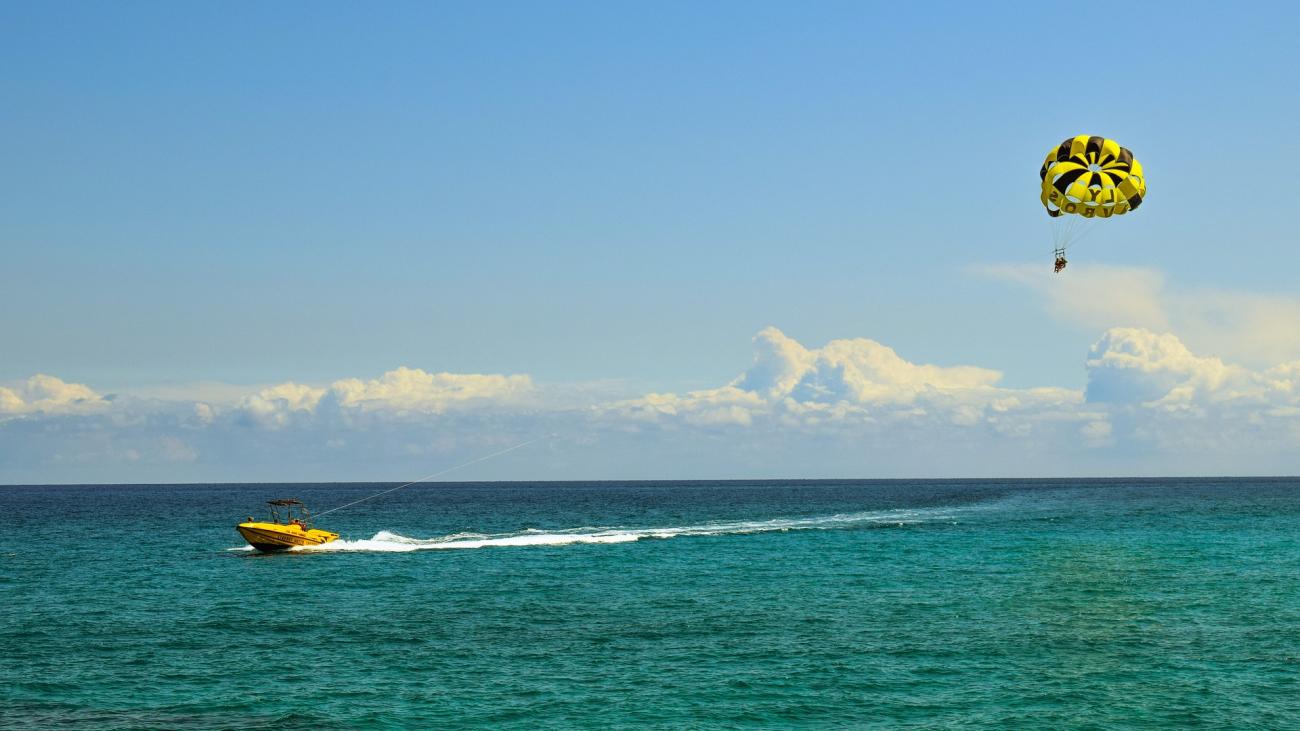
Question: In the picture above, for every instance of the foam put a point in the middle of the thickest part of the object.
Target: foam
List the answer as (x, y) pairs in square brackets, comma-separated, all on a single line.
[(386, 541)]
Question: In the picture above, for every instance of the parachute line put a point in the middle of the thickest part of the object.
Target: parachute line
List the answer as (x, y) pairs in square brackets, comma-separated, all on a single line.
[(1085, 179)]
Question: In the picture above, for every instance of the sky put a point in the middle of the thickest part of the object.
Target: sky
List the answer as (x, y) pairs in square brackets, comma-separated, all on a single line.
[(346, 241)]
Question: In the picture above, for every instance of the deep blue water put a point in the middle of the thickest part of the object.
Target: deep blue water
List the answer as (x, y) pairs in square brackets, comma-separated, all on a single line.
[(866, 604)]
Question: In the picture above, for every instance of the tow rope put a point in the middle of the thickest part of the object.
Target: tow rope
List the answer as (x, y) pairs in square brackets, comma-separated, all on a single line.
[(430, 477)]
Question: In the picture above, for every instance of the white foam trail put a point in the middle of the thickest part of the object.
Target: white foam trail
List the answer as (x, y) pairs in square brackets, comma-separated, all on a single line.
[(392, 542)]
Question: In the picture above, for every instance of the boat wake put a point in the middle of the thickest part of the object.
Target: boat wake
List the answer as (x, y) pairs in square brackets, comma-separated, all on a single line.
[(392, 542)]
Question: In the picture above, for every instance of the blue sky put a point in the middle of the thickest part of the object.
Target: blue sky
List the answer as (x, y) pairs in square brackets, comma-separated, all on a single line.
[(201, 202)]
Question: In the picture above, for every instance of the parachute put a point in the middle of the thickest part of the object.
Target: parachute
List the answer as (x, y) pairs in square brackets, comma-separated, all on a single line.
[(1086, 178)]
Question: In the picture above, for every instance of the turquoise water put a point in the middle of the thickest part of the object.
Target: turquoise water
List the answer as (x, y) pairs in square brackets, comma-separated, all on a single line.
[(976, 604)]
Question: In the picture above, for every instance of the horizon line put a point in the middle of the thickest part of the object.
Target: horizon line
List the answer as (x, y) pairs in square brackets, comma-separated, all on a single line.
[(1112, 478)]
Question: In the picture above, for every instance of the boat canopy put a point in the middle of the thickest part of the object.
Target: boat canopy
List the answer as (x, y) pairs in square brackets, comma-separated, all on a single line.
[(293, 510)]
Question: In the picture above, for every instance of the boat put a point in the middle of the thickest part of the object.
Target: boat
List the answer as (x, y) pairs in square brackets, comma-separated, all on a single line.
[(290, 526)]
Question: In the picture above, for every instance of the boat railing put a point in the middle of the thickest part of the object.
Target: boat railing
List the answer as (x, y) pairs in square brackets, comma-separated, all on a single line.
[(293, 510)]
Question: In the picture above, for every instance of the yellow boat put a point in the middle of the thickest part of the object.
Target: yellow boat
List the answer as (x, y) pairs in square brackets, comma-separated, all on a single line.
[(284, 531)]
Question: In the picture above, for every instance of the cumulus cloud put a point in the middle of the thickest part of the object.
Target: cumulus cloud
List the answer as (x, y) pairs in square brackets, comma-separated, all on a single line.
[(1159, 395), (411, 389), (274, 406), (43, 394), (400, 391), (858, 370), (1152, 404), (1138, 367), (203, 414), (847, 382), (1134, 365)]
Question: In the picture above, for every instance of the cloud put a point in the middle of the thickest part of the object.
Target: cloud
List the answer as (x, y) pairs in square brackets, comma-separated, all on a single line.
[(1095, 297), (43, 394), (203, 414), (1252, 328), (719, 406), (1163, 398), (411, 389), (402, 391), (1257, 328), (1133, 365), (849, 407), (274, 406), (1151, 405), (1141, 368), (845, 382), (861, 371)]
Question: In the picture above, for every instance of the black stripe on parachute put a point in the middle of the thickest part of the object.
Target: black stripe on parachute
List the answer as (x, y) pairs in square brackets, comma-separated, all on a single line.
[(1067, 177), (1093, 148)]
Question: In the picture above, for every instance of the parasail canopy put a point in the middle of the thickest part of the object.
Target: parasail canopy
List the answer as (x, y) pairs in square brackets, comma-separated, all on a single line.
[(1092, 177)]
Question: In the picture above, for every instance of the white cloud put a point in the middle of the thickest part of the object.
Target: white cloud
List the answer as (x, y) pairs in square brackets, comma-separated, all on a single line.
[(1096, 433), (48, 395), (845, 382), (1133, 365), (216, 393), (719, 406), (1147, 393), (860, 371), (1095, 297), (850, 407), (203, 414), (1247, 327), (1256, 328), (274, 406), (1163, 398), (400, 391), (411, 389), (1138, 367)]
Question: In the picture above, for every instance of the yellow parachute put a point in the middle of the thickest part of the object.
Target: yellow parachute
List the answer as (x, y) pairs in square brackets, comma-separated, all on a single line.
[(1088, 177), (1091, 177)]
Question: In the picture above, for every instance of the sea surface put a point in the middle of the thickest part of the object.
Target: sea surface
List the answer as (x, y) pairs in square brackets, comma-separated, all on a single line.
[(829, 604)]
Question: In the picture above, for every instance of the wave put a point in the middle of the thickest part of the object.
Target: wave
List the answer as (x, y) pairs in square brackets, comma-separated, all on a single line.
[(386, 541)]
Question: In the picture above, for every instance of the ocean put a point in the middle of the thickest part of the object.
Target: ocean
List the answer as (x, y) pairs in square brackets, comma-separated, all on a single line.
[(985, 604)]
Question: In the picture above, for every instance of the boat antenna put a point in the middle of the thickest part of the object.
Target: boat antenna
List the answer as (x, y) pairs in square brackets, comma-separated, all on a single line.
[(430, 477)]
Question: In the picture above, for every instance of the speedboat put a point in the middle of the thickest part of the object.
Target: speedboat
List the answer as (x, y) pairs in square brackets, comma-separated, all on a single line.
[(290, 526)]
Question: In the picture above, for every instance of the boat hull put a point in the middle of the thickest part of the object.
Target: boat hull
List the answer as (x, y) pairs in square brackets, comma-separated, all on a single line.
[(277, 537)]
